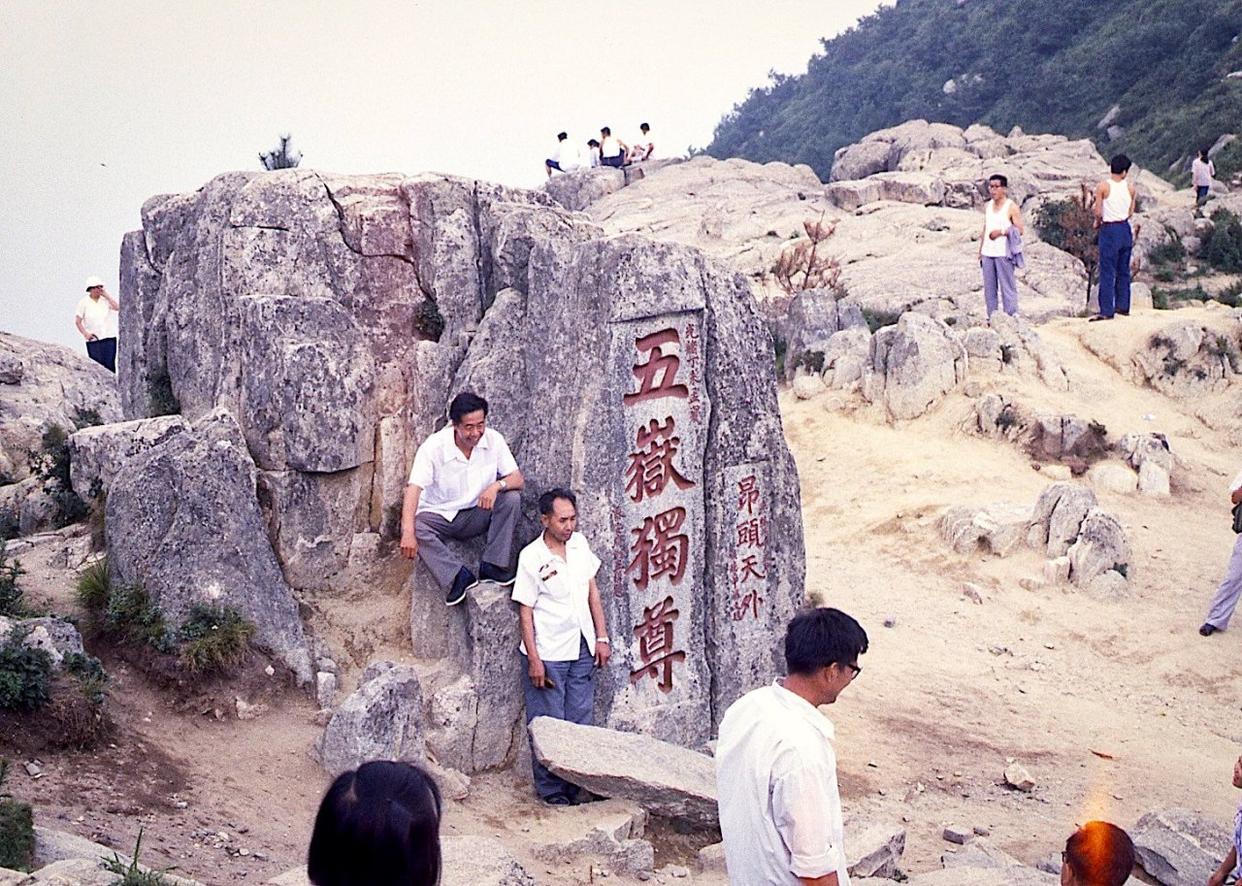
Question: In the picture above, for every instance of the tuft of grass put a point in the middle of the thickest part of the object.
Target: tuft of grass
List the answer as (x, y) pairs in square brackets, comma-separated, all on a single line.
[(16, 828), (132, 616), (89, 672), (94, 587), (160, 397), (214, 639), (12, 598), (132, 874), (25, 676)]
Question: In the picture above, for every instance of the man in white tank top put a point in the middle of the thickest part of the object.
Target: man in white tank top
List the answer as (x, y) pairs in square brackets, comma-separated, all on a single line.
[(1114, 204), (999, 215)]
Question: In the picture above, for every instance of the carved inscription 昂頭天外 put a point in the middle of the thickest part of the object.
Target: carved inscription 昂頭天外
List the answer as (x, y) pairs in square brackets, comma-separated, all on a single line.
[(748, 567), (660, 508)]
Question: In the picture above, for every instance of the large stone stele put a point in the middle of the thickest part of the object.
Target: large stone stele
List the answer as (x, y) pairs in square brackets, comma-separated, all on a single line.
[(662, 778), (184, 523)]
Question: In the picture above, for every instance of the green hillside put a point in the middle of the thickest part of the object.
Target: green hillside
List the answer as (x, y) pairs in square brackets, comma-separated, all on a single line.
[(1045, 65)]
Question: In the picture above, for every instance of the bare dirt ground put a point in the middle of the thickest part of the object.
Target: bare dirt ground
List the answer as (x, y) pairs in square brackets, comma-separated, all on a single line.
[(1116, 707)]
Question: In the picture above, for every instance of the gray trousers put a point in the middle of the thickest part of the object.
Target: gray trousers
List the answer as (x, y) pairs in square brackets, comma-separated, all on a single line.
[(1230, 589), (572, 699), (998, 274), (499, 523)]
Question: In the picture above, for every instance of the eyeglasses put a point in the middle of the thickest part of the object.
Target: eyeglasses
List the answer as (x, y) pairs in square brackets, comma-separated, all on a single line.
[(855, 668)]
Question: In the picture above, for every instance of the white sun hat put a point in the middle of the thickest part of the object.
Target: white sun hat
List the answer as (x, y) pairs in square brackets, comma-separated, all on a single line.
[(92, 282)]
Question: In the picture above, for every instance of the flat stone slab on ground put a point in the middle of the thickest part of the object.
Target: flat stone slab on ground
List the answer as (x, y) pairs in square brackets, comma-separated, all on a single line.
[(1178, 847), (663, 778)]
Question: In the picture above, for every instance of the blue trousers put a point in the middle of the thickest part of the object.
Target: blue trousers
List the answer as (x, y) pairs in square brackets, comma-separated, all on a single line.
[(103, 352), (1116, 243), (572, 699)]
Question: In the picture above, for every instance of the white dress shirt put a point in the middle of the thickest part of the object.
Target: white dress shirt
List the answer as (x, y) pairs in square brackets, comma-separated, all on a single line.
[(450, 481), (776, 780), (557, 590), (97, 316)]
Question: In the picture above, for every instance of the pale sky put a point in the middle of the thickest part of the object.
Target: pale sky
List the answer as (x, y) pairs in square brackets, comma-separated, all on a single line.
[(104, 104)]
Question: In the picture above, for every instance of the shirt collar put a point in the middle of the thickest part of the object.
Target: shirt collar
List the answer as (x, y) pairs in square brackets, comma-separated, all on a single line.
[(803, 708), (454, 452), (543, 546)]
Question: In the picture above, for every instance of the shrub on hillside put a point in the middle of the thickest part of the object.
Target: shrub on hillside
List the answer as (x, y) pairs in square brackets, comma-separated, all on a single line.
[(1223, 249), (1069, 225), (12, 599), (17, 837), (94, 586), (25, 676), (51, 465), (130, 615)]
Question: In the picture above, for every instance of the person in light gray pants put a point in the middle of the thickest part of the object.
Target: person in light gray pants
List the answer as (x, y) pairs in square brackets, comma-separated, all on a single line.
[(1000, 214), (1230, 589), (500, 524), (998, 274)]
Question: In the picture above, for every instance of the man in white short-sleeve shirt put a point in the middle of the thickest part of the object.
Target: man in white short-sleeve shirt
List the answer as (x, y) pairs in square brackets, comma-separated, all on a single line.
[(464, 483), (561, 617), (1226, 599), (95, 318), (776, 771)]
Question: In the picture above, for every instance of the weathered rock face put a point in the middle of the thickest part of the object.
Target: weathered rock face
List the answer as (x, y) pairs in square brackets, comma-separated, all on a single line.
[(656, 402), (1059, 513), (55, 636), (913, 365), (1188, 359), (1000, 527), (1101, 548), (97, 454), (381, 720), (183, 522), (43, 385), (664, 780), (815, 316), (1177, 847)]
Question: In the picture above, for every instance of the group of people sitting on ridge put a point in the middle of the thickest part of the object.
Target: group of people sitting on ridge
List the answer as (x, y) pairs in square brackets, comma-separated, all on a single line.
[(607, 150)]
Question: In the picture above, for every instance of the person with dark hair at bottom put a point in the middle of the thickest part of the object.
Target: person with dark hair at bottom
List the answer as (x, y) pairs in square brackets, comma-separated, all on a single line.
[(564, 635), (776, 771), (95, 318), (464, 482), (1220, 610), (378, 825), (612, 150), (593, 152), (1115, 199), (566, 157), (1229, 865), (1097, 854)]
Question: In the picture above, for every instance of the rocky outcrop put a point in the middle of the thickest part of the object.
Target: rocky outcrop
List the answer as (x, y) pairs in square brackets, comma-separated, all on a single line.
[(999, 528), (98, 453), (1178, 847), (1188, 359), (1058, 516), (1150, 455), (351, 309), (913, 365), (1100, 558), (577, 190), (183, 521), (55, 636), (661, 778), (380, 720), (815, 316)]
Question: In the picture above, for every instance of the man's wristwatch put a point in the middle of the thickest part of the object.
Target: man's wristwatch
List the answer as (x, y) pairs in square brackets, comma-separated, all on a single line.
[(603, 640), (504, 484)]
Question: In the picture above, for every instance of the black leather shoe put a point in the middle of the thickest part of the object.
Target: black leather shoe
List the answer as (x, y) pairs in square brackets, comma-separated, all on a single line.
[(462, 582), (1207, 630), (491, 572)]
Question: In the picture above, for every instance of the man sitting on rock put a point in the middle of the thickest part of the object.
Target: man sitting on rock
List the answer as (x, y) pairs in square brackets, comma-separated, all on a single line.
[(564, 636), (612, 150), (643, 148), (776, 772), (566, 157), (464, 482)]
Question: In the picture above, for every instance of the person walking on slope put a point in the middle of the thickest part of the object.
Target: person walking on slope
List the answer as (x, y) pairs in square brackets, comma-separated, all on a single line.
[(1115, 198), (776, 771), (1000, 215), (95, 318), (1226, 599), (1202, 170)]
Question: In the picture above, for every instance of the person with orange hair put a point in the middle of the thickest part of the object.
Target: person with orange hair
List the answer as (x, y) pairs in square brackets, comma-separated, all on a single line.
[(1230, 864), (1097, 854)]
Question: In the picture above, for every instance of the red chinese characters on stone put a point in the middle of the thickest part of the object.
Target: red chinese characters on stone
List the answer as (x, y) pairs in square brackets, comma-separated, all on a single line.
[(656, 650), (748, 572), (657, 377), (659, 548), (651, 464)]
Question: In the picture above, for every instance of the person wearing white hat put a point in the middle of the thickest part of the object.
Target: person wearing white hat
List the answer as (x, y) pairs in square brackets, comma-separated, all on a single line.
[(96, 320)]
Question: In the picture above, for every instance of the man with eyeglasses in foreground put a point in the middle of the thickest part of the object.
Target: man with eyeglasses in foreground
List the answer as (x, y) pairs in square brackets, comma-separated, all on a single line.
[(776, 771)]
